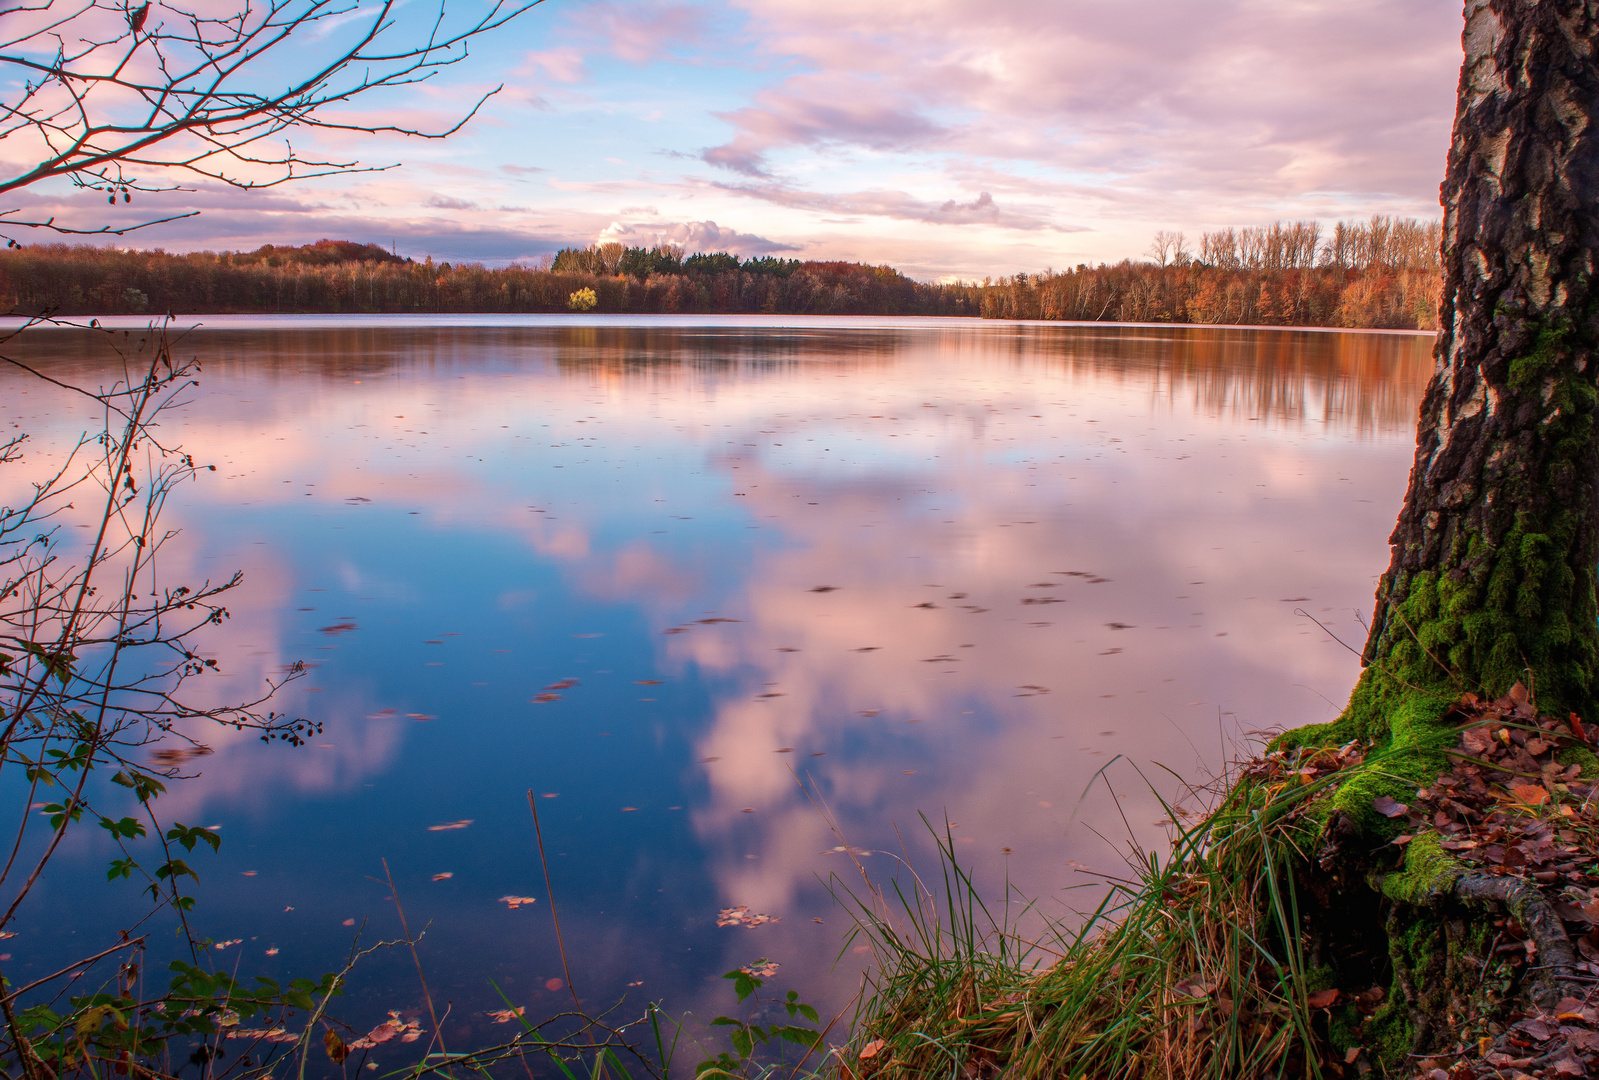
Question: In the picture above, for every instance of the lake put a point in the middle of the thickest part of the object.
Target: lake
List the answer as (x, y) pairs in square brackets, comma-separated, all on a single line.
[(733, 598)]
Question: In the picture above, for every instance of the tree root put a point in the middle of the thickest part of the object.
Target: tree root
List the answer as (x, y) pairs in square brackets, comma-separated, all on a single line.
[(1555, 976)]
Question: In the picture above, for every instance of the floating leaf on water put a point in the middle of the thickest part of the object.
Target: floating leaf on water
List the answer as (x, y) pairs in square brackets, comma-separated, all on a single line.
[(870, 712), (173, 756), (514, 902), (225, 944), (394, 1026), (704, 760), (448, 825), (762, 968), (564, 684), (383, 714), (505, 1016), (717, 619), (348, 922), (339, 628), (629, 809), (336, 1049), (646, 682), (742, 916), (784, 750), (420, 717), (552, 985), (273, 951), (447, 875), (543, 699), (675, 630)]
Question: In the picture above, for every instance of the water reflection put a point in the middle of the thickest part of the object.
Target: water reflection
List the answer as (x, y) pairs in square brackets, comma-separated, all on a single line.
[(671, 575)]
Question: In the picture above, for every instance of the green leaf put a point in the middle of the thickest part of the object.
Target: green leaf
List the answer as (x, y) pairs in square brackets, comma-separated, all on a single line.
[(188, 837), (810, 1014)]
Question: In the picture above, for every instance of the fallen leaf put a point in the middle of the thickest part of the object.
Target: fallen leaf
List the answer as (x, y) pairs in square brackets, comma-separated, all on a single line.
[(1322, 999), (1388, 807), (514, 902), (444, 876), (505, 1016), (1531, 794), (870, 1049), (447, 826), (552, 985), (336, 1049)]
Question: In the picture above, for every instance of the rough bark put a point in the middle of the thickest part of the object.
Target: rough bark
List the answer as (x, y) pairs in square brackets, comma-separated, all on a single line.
[(1494, 555), (1494, 577)]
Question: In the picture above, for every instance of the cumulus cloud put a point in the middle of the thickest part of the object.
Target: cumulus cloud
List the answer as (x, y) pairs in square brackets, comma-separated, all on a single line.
[(1050, 133), (1246, 99), (901, 206), (815, 111), (691, 236)]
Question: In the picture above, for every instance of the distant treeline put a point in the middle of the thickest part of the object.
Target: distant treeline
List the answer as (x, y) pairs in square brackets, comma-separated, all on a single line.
[(341, 277), (1378, 274), (1381, 273)]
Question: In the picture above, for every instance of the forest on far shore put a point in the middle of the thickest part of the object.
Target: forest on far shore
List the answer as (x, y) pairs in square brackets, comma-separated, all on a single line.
[(1382, 273)]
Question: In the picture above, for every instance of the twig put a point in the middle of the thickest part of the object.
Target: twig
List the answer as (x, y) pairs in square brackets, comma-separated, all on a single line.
[(549, 891), (438, 1034), (85, 962)]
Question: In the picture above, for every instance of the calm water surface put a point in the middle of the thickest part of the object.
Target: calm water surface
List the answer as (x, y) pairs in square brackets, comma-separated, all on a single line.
[(694, 584)]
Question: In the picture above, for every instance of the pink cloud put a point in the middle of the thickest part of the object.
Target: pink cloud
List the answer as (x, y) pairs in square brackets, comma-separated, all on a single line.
[(898, 205), (1249, 98), (692, 236)]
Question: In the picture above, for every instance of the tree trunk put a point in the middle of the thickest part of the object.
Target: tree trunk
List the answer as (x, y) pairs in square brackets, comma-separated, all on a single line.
[(1493, 574)]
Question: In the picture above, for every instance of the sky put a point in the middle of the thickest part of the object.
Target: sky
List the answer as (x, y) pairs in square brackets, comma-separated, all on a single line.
[(949, 138)]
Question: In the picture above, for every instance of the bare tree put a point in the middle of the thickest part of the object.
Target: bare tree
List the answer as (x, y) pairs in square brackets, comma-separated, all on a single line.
[(1164, 246), (121, 99)]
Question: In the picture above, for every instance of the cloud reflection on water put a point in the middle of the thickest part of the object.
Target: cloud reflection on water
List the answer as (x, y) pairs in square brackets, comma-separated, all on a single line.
[(1043, 546)]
